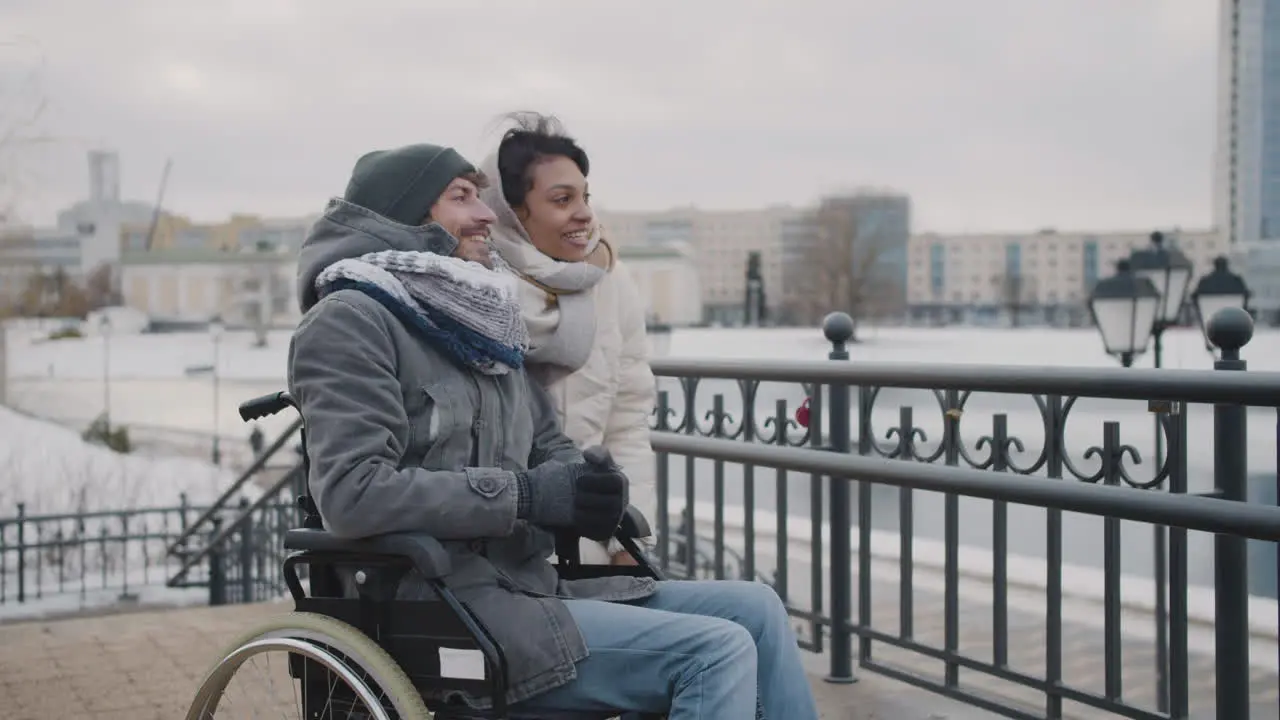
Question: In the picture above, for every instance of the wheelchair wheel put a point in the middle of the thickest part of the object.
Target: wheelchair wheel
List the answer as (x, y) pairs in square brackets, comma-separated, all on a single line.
[(324, 670)]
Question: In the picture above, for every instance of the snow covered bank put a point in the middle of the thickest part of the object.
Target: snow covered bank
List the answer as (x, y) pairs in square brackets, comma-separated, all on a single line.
[(52, 470)]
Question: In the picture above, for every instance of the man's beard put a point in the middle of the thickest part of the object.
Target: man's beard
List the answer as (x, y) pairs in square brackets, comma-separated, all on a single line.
[(474, 240)]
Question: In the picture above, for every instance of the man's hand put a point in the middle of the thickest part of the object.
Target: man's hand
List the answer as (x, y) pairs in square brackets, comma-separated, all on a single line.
[(622, 557), (588, 497)]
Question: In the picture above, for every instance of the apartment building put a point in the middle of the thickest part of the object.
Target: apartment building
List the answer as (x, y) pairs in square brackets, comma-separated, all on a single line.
[(245, 288), (85, 238), (1046, 276), (667, 278), (26, 253), (719, 243), (722, 242)]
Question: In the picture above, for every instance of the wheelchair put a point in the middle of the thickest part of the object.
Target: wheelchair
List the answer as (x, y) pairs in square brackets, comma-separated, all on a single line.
[(373, 656)]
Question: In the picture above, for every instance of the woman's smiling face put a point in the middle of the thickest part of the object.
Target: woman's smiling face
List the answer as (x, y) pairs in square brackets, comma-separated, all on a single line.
[(557, 213)]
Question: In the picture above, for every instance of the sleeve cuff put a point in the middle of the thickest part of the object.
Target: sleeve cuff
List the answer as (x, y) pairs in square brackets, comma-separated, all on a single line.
[(613, 547)]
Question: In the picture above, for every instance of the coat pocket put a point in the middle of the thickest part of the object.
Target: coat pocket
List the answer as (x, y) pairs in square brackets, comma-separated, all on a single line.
[(432, 420)]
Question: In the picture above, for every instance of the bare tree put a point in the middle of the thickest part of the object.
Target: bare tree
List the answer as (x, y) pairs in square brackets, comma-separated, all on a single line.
[(11, 273), (22, 107), (52, 294), (1015, 293), (837, 267), (101, 289)]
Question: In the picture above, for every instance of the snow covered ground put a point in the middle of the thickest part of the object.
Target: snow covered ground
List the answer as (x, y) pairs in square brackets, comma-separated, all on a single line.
[(52, 470), (119, 590)]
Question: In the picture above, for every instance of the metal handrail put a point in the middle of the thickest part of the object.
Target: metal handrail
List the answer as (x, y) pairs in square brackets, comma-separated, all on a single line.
[(1253, 388), (258, 464), (225, 532), (1193, 512)]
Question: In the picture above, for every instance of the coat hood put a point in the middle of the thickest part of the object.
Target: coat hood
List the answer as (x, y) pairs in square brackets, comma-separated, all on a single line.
[(347, 231)]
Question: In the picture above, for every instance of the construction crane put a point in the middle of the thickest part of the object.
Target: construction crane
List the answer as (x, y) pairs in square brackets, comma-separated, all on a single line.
[(155, 216)]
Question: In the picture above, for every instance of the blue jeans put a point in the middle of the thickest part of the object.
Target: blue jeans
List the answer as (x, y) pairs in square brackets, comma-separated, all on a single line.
[(694, 650)]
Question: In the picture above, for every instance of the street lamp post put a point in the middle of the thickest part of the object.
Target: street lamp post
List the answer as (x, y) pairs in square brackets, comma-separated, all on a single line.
[(1170, 273), (215, 334), (104, 327), (1124, 308), (1220, 289), (1143, 299)]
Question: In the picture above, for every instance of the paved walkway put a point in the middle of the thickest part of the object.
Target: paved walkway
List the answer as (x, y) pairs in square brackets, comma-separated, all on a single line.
[(144, 665)]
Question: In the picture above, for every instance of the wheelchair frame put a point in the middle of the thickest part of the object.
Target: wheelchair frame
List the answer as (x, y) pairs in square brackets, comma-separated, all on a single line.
[(412, 632)]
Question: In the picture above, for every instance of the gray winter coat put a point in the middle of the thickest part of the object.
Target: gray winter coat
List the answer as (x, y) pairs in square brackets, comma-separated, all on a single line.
[(400, 438)]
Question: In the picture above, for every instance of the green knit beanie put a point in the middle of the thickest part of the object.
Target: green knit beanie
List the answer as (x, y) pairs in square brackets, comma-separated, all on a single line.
[(404, 183)]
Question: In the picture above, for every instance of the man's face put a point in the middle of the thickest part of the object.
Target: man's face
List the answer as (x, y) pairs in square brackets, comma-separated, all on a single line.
[(556, 213), (460, 211)]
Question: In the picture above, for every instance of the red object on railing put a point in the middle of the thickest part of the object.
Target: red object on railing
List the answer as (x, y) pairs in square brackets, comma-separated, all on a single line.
[(802, 414)]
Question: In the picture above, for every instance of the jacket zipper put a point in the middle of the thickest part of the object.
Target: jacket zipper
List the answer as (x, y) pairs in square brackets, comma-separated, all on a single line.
[(476, 425)]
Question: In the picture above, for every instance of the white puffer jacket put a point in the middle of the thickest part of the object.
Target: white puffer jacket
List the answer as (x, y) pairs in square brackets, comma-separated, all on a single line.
[(609, 400)]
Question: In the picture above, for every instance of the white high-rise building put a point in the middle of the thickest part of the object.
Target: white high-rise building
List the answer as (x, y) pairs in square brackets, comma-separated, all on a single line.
[(104, 176), (1247, 152)]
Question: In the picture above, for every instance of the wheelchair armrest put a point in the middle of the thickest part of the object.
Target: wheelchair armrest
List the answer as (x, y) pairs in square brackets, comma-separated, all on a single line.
[(634, 525), (425, 552)]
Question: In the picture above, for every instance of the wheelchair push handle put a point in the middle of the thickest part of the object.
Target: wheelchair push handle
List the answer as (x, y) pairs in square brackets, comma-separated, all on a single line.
[(266, 405)]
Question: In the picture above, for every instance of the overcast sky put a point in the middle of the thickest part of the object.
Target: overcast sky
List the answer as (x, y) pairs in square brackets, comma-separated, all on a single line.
[(991, 114)]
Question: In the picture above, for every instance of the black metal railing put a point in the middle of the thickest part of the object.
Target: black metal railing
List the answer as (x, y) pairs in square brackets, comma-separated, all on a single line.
[(260, 464), (832, 482), (839, 440), (69, 563), (236, 550), (72, 556), (234, 532), (244, 557)]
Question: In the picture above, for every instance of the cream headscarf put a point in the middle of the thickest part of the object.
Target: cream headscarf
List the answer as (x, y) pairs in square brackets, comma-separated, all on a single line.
[(562, 331)]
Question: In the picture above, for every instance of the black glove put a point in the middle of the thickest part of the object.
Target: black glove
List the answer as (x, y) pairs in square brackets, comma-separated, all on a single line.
[(588, 497)]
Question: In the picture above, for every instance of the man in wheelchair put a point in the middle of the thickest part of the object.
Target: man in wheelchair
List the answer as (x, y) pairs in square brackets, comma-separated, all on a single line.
[(407, 369)]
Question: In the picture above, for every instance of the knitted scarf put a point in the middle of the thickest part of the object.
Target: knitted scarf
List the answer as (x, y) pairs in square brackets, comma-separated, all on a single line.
[(462, 308)]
